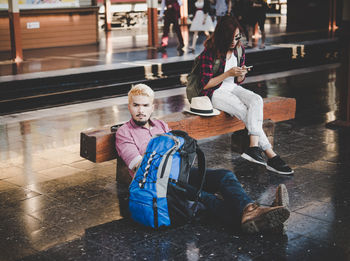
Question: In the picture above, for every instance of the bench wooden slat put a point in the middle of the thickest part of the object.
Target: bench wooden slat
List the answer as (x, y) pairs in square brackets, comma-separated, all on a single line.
[(99, 145)]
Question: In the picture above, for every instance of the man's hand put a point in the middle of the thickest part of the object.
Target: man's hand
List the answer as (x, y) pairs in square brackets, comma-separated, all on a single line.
[(134, 169)]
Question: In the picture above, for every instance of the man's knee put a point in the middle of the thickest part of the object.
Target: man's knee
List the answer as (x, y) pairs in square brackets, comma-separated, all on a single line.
[(226, 175)]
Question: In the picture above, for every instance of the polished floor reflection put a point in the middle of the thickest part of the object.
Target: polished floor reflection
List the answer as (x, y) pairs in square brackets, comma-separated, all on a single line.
[(54, 205)]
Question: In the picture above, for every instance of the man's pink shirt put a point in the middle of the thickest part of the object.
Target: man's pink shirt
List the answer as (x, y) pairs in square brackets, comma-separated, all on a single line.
[(131, 140)]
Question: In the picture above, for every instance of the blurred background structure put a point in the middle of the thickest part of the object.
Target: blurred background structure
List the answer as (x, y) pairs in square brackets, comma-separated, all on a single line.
[(66, 66)]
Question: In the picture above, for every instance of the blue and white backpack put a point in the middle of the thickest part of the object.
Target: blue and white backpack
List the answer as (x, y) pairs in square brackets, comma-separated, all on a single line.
[(157, 194)]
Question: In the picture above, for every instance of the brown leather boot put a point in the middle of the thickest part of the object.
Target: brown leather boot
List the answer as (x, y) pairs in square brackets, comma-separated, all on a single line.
[(282, 197), (257, 219)]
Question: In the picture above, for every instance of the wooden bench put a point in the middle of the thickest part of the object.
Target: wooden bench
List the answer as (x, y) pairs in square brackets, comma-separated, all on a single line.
[(99, 145)]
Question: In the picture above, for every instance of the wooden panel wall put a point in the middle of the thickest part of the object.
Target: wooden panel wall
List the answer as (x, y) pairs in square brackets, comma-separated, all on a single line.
[(56, 29), (5, 43)]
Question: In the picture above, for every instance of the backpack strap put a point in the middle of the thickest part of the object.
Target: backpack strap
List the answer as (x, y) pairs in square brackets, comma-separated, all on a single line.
[(202, 173), (201, 168), (216, 66)]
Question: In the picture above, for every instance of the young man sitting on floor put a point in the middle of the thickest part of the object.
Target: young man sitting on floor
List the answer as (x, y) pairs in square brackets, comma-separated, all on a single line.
[(235, 207)]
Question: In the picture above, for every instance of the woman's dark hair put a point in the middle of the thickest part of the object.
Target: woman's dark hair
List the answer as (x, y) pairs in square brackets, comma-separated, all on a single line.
[(220, 41)]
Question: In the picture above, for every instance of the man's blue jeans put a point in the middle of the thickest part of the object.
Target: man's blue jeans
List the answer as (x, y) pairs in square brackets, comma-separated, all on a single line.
[(230, 208)]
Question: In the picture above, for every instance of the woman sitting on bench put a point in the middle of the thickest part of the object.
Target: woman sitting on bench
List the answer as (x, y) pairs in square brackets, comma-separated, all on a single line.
[(227, 95)]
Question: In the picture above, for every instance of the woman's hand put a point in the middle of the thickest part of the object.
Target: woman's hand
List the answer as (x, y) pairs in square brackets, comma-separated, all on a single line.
[(246, 69), (237, 71), (242, 77)]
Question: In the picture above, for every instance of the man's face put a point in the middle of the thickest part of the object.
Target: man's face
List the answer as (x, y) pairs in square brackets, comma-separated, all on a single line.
[(141, 108)]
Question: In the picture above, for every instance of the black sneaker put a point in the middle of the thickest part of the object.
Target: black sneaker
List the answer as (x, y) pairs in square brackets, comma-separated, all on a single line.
[(276, 164), (180, 47), (254, 154)]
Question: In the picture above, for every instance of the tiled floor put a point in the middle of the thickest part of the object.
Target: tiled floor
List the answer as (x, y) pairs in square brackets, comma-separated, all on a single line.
[(54, 205)]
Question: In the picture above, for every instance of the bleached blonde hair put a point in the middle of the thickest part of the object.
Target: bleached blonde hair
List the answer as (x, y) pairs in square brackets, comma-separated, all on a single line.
[(141, 89)]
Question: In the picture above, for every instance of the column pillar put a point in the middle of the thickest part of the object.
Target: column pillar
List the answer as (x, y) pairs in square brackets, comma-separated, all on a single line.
[(15, 31), (152, 23), (332, 17), (345, 40), (108, 15)]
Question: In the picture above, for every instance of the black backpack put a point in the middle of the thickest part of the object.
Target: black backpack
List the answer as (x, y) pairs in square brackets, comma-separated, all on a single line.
[(193, 87)]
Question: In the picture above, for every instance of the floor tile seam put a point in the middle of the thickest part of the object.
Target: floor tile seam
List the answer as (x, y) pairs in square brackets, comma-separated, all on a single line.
[(25, 212), (39, 194), (16, 186), (63, 182), (67, 232), (323, 174), (243, 242), (37, 191), (24, 189), (77, 207), (64, 206), (294, 144), (108, 248), (204, 245), (302, 149), (300, 186), (42, 251), (309, 216), (35, 173), (295, 239), (302, 139), (284, 138), (290, 189), (315, 240), (157, 236), (36, 252), (37, 219), (64, 203), (61, 165), (335, 163), (286, 155), (267, 251)]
